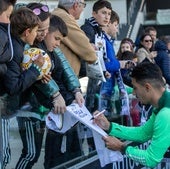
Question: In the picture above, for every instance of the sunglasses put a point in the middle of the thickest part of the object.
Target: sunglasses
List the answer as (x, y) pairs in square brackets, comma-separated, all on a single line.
[(147, 40), (37, 11), (83, 3)]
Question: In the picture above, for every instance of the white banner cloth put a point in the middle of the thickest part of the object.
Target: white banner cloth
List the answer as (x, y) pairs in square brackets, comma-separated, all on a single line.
[(62, 123)]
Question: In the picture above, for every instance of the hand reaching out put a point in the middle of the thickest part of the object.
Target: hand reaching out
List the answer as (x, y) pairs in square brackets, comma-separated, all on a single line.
[(79, 98), (46, 78), (153, 54), (107, 75), (59, 104)]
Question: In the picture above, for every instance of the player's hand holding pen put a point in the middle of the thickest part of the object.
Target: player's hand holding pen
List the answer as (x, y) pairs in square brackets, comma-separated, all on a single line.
[(100, 119), (97, 114)]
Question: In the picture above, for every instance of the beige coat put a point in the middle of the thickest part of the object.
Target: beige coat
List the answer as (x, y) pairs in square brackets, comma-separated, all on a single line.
[(142, 54), (76, 45)]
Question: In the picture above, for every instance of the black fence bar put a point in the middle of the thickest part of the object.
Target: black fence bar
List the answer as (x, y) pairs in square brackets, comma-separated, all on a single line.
[(1, 141)]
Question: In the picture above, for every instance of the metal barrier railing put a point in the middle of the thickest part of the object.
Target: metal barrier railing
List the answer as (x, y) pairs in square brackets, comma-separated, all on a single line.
[(79, 162)]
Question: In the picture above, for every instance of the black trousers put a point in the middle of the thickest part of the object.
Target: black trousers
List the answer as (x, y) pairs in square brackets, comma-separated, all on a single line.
[(31, 131), (53, 154)]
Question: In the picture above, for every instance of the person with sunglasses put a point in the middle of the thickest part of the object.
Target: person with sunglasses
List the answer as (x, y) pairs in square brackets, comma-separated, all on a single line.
[(31, 114), (24, 24), (153, 32), (32, 119), (42, 11), (145, 51)]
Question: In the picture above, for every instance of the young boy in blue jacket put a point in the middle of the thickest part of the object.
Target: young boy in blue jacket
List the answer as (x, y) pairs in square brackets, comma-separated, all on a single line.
[(92, 27), (111, 63)]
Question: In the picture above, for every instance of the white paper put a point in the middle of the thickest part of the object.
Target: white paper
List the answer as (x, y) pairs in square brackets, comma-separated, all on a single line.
[(73, 114), (105, 155), (84, 116), (76, 113), (52, 121)]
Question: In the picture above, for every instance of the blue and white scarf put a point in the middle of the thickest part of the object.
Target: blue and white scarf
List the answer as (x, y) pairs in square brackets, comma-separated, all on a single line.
[(125, 109)]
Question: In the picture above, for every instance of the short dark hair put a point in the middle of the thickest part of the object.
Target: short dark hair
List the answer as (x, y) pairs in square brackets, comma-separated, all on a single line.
[(43, 15), (150, 28), (101, 4), (5, 4), (56, 23), (22, 19), (114, 17), (148, 72)]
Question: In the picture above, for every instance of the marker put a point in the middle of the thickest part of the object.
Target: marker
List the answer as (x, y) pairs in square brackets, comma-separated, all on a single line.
[(96, 115)]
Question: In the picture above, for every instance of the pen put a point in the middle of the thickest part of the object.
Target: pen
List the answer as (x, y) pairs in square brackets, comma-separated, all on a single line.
[(96, 115)]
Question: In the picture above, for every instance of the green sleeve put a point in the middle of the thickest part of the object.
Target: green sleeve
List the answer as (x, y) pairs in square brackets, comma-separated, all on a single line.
[(159, 131), (138, 134)]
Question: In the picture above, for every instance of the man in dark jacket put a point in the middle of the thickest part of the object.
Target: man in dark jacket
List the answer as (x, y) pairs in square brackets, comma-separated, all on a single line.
[(70, 92), (33, 120), (24, 26), (163, 59), (6, 54)]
